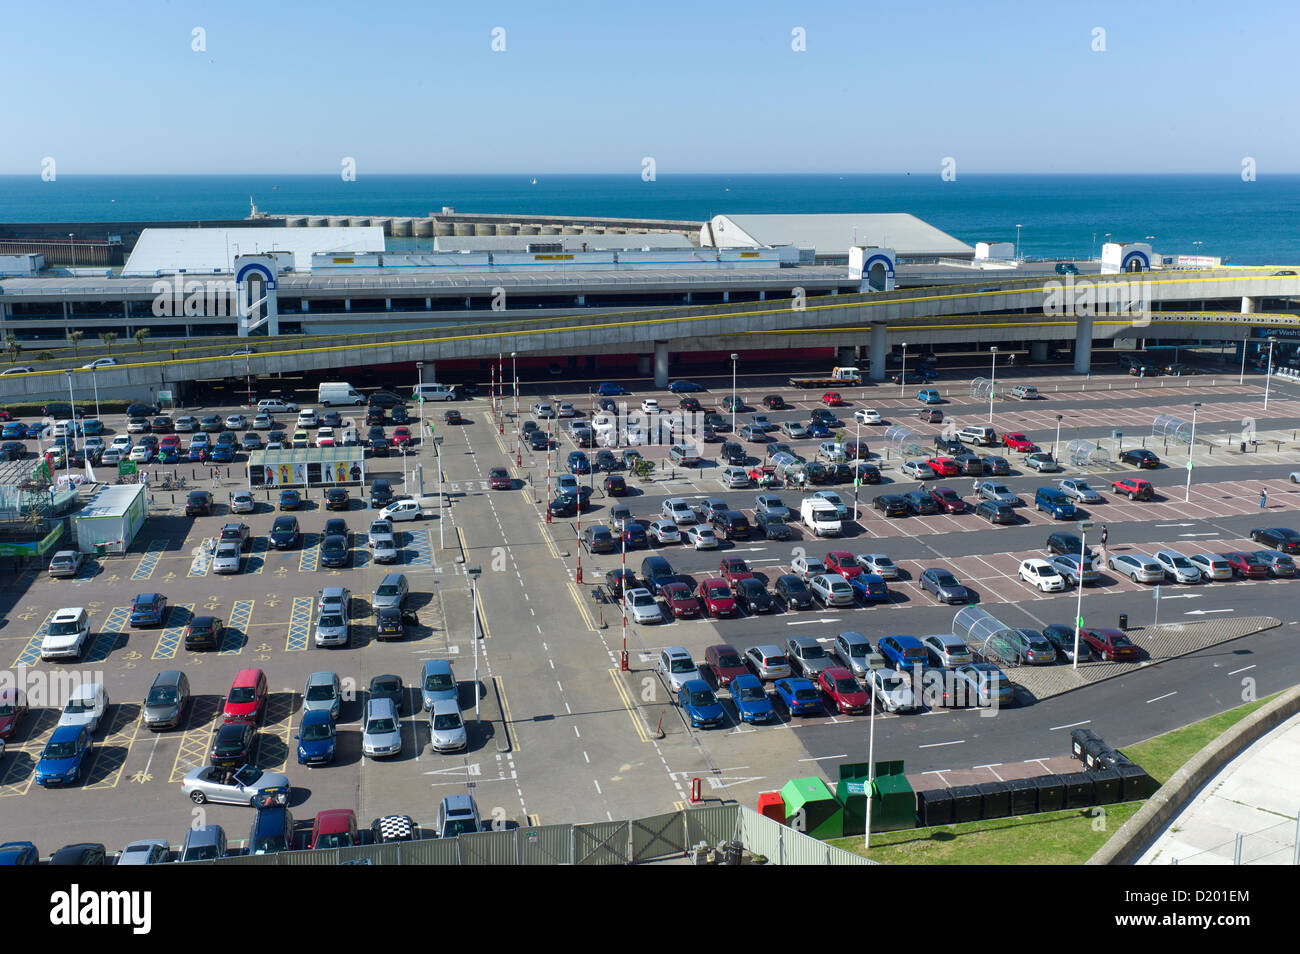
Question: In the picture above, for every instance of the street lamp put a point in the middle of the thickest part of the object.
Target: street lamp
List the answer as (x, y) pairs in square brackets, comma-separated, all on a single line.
[(437, 450), (735, 358), (419, 389), (1057, 439), (1191, 444), (1268, 378), (993, 383), (94, 379), (73, 249), (473, 571), (902, 377), (72, 423), (1084, 527), (1017, 241), (871, 759)]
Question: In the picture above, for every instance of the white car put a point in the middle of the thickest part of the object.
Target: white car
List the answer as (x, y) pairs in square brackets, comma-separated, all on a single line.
[(919, 469), (702, 538), (879, 564), (400, 510), (134, 425), (642, 606), (1212, 566), (236, 422), (832, 589), (67, 635), (1177, 566), (228, 559), (122, 443), (1079, 491), (806, 569), (99, 363), (664, 531), (677, 667), (543, 411), (275, 405), (1043, 463), (1043, 575), (262, 421), (678, 511), (867, 415), (325, 437), (307, 418), (85, 707), (141, 454), (650, 406), (18, 369), (566, 410), (242, 502)]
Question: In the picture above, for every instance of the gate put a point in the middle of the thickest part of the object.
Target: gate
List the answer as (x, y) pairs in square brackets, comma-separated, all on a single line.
[(544, 845), (600, 843), (658, 836)]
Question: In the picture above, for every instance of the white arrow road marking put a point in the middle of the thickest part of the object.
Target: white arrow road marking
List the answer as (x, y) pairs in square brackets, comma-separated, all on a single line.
[(471, 769), (1203, 612)]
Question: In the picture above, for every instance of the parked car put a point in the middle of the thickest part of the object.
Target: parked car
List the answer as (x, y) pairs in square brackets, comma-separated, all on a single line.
[(1109, 644)]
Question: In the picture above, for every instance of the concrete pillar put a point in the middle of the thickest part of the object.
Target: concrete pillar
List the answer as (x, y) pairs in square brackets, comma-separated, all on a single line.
[(879, 349), (845, 357), (306, 305), (762, 295), (1247, 306), (1038, 351), (428, 304), (347, 304), (688, 298), (1083, 344), (468, 303), (388, 304), (643, 364), (661, 364), (581, 301)]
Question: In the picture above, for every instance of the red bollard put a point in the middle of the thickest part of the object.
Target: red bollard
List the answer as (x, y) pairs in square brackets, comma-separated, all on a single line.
[(519, 456), (579, 574), (548, 514), (695, 791), (623, 665)]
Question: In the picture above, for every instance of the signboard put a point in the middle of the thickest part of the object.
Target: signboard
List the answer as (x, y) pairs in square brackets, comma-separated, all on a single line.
[(126, 468), (858, 787)]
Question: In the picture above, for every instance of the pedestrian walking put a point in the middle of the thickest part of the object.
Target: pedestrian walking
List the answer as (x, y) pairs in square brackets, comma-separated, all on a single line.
[(974, 488), (1263, 497), (1104, 534)]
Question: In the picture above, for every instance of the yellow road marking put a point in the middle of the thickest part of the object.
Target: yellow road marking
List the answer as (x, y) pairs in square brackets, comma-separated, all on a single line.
[(550, 544), (627, 704), (577, 599), (505, 714), (482, 614)]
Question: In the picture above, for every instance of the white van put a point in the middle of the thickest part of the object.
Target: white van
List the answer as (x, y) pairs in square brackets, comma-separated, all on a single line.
[(820, 517), (338, 392), (434, 392), (86, 706)]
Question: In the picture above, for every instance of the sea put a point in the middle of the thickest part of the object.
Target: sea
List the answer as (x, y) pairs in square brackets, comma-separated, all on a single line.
[(1243, 222)]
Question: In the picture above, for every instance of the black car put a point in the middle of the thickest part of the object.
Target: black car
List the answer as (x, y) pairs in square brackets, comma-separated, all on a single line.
[(1062, 638), (619, 581), (892, 505), (972, 465), (615, 486), (948, 446), (733, 453), (1139, 457), (772, 527), (793, 592), (337, 498), (399, 415), (868, 473), (204, 632), (996, 466), (232, 745), (824, 416), (374, 414), (1059, 544), (690, 404), (564, 506), (716, 421), (995, 512), (538, 441), (375, 433), (88, 853), (334, 551), (161, 425), (606, 461), (12, 450), (730, 525), (1277, 538), (448, 417), (139, 409), (389, 624), (774, 402), (381, 493), (752, 596), (386, 399), (819, 474), (840, 473), (920, 503), (198, 504), (284, 533), (379, 447), (598, 539)]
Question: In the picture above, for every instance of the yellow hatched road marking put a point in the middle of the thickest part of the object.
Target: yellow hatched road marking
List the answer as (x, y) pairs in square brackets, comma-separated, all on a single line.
[(577, 599), (627, 704), (505, 714)]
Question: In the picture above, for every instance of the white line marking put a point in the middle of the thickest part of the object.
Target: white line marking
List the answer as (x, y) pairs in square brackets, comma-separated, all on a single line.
[(818, 758), (1243, 669), (1165, 696), (1070, 726), (935, 745)]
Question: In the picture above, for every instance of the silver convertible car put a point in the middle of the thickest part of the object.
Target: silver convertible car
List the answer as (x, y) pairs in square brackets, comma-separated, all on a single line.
[(246, 786)]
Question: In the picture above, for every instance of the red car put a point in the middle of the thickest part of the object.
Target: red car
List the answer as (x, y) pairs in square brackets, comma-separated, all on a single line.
[(1247, 565), (1133, 488), (334, 828), (717, 597), (1019, 442), (843, 563), (734, 569), (843, 691), (832, 399), (681, 601), (12, 711), (171, 440), (948, 500), (725, 663), (499, 479), (401, 436), (1109, 644), (945, 466), (246, 701), (5, 416)]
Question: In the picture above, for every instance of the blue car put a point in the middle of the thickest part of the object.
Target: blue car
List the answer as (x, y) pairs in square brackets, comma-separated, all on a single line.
[(18, 853), (818, 429), (608, 389), (799, 696), (14, 430), (685, 387), (92, 427), (148, 609), (752, 703), (634, 537), (197, 452), (701, 705), (316, 738), (578, 463), (63, 756), (290, 499), (34, 431), (168, 455), (223, 454), (929, 396), (870, 587), (902, 652)]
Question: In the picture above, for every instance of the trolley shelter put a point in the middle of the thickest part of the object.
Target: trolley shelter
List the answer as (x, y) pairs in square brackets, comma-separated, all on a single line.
[(307, 467)]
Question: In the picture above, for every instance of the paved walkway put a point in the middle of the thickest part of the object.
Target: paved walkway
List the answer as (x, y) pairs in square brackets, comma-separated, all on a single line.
[(1257, 794)]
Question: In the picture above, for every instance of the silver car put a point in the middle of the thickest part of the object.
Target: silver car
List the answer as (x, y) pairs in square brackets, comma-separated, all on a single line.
[(437, 682), (853, 650), (242, 502), (642, 606), (768, 662), (333, 626), (66, 563), (677, 668), (381, 542), (664, 531), (204, 843), (447, 727), (1067, 564), (1080, 492), (891, 691), (228, 559), (947, 649), (391, 592), (323, 691), (1213, 566), (381, 731), (1138, 567), (832, 589), (807, 657), (998, 493), (1279, 564), (246, 786), (879, 564), (1177, 566), (151, 851)]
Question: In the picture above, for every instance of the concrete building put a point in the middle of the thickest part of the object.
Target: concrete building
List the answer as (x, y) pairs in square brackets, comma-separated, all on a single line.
[(831, 236)]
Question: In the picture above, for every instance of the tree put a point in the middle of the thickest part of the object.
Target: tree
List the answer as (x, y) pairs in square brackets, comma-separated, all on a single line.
[(140, 335), (108, 337), (13, 347), (45, 356), (75, 337)]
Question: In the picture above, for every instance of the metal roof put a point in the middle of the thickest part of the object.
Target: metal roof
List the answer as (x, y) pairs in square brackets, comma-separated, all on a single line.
[(570, 243), (306, 455), (833, 234), (206, 251), (111, 500)]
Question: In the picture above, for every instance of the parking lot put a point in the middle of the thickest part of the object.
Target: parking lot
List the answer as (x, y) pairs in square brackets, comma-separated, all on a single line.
[(561, 733)]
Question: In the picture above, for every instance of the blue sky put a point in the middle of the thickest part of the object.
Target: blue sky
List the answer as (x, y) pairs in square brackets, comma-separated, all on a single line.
[(413, 86)]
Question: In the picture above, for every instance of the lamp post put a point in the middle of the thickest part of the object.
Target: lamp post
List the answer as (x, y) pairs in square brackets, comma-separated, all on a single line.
[(1242, 379), (1084, 527), (1017, 241), (1191, 444), (473, 572), (95, 381), (72, 424), (1268, 378), (993, 381), (857, 449), (73, 249), (735, 358), (1056, 440), (871, 761), (419, 389), (902, 377), (437, 450)]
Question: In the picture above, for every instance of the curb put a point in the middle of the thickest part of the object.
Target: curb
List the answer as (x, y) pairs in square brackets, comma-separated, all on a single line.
[(1127, 844)]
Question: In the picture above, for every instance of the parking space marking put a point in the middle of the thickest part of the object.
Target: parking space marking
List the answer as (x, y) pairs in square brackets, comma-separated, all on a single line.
[(419, 548), (299, 625), (256, 561), (109, 757), (196, 741), (309, 558), (144, 569), (31, 653), (236, 633), (178, 617), (277, 727), (202, 561), (110, 631), (361, 544)]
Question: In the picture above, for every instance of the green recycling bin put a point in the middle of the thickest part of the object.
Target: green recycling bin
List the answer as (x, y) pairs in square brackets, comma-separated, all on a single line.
[(851, 793), (894, 804), (810, 807)]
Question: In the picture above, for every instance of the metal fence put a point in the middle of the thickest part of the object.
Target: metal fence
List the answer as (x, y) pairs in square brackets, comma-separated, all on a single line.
[(1277, 844), (634, 841)]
